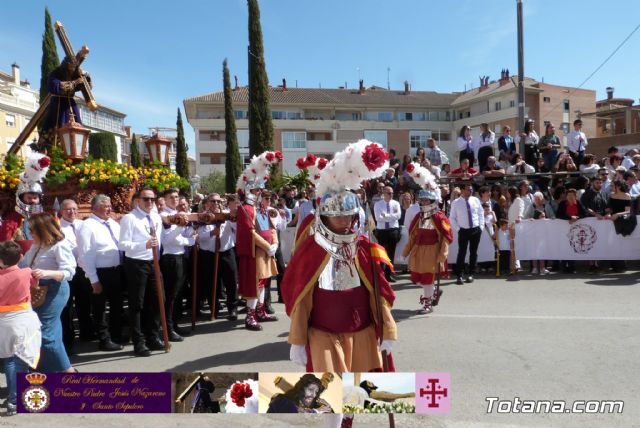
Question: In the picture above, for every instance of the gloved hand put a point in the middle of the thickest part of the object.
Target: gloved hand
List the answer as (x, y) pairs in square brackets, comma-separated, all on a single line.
[(272, 250), (386, 346), (298, 355)]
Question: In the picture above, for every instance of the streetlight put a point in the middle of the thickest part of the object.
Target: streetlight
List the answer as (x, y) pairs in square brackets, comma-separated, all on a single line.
[(158, 149)]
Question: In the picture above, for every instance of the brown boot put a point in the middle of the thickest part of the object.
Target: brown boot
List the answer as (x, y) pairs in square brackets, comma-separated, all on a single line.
[(250, 322), (262, 315)]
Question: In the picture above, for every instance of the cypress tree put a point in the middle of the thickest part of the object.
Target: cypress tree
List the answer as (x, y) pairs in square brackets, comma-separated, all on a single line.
[(182, 162), (260, 126), (233, 165), (50, 58), (135, 153), (102, 145)]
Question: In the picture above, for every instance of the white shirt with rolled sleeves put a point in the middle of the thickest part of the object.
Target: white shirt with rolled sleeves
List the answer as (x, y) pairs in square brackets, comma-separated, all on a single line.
[(56, 257), (480, 141), (135, 232), (71, 233), (174, 237), (573, 141), (96, 246), (382, 216), (227, 236), (459, 215)]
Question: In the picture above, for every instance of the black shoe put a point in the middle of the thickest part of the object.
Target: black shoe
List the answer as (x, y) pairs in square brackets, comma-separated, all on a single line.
[(182, 331), (173, 337), (155, 345), (233, 315), (109, 346), (459, 280), (141, 351), (391, 279), (269, 309), (469, 279)]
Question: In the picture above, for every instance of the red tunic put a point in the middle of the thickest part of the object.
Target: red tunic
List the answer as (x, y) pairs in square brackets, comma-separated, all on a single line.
[(245, 252)]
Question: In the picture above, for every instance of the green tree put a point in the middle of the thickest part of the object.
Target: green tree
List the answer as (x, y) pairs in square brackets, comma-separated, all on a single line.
[(135, 153), (182, 162), (260, 125), (233, 167), (102, 145), (213, 183), (50, 58)]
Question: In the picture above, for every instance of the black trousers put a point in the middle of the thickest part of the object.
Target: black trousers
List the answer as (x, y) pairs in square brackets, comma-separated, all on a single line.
[(483, 154), (468, 238), (112, 280), (144, 314), (173, 278), (530, 154), (280, 265), (227, 276), (388, 238), (466, 155), (80, 297), (505, 261)]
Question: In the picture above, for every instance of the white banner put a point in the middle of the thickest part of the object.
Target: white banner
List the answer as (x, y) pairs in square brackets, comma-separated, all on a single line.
[(586, 239), (486, 249)]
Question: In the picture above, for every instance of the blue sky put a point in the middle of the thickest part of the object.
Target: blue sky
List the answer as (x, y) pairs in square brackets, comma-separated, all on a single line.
[(147, 56)]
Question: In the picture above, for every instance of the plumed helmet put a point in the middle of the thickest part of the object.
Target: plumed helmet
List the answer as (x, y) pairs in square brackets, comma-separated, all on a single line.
[(35, 169)]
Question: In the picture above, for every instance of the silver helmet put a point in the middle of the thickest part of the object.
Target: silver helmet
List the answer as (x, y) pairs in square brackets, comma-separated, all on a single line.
[(36, 168)]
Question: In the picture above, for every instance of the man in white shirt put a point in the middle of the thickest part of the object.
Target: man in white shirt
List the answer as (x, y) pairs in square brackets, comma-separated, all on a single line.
[(467, 217), (627, 160), (434, 154), (220, 236), (80, 295), (100, 259), (387, 212), (140, 236), (577, 142), (174, 240)]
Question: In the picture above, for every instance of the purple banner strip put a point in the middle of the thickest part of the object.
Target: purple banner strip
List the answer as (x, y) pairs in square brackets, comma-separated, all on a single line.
[(94, 392)]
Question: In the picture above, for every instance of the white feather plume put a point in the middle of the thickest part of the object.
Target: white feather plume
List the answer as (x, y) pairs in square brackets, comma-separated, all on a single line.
[(258, 168), (33, 171), (347, 170), (423, 177)]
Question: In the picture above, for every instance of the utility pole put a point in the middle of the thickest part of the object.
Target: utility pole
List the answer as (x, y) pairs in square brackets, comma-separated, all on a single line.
[(520, 76), (388, 82)]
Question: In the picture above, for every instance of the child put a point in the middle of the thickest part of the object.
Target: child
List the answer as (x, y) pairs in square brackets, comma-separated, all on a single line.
[(538, 266), (504, 245), (19, 325)]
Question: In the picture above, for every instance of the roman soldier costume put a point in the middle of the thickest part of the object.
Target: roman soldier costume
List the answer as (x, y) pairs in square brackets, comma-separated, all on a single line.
[(313, 165), (14, 227), (429, 238), (256, 240), (334, 289)]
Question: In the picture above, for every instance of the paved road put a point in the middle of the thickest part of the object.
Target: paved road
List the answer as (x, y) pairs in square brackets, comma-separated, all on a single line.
[(558, 337)]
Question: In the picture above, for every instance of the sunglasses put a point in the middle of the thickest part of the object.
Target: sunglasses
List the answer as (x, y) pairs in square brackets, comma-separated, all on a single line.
[(148, 199)]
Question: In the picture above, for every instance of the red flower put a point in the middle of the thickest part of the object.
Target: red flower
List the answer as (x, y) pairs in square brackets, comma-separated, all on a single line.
[(240, 392), (301, 164), (279, 155), (311, 159), (253, 170), (410, 168), (244, 178), (270, 156), (374, 157), (44, 162), (322, 163)]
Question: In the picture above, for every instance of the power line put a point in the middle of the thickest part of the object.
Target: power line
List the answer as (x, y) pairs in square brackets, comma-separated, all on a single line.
[(598, 68)]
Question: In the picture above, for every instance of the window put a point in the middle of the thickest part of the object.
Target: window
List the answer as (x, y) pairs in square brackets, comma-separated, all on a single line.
[(468, 114), (546, 99), (243, 138), (377, 137), (498, 106), (381, 116), (10, 120), (405, 116), (512, 103), (441, 136), (356, 116), (279, 115), (418, 139), (294, 140), (566, 106), (240, 114), (206, 159), (294, 115)]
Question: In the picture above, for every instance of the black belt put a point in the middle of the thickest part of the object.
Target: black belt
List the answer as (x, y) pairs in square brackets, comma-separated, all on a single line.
[(108, 268), (470, 228), (219, 252)]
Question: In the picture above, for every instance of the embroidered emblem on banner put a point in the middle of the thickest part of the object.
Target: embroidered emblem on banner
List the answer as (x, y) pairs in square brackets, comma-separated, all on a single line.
[(582, 238), (36, 398)]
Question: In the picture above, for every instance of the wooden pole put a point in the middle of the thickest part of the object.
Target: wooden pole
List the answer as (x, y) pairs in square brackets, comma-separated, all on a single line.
[(160, 294), (194, 285), (215, 279)]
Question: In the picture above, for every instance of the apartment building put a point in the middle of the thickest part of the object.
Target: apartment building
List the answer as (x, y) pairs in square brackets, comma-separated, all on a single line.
[(18, 103), (322, 121)]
